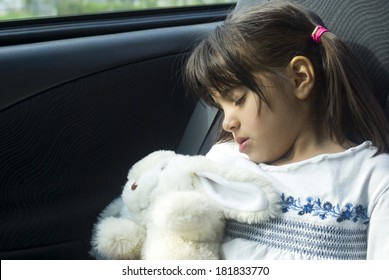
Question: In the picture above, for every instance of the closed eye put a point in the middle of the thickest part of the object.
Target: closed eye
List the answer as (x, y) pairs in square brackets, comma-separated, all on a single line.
[(241, 100)]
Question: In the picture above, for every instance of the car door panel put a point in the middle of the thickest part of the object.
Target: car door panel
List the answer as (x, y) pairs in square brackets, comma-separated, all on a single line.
[(76, 113)]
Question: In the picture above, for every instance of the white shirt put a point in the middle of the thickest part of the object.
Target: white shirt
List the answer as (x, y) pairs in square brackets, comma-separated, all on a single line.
[(333, 206)]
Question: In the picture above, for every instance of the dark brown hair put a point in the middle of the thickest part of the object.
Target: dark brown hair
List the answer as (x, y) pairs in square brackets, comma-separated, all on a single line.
[(264, 39)]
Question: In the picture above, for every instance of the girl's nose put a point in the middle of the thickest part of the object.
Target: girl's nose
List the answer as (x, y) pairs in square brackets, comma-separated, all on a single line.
[(230, 123)]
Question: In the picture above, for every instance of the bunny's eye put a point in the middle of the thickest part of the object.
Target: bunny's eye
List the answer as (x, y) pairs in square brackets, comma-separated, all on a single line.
[(134, 186)]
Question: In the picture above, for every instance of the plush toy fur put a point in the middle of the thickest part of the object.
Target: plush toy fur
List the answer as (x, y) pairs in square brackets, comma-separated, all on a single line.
[(175, 207)]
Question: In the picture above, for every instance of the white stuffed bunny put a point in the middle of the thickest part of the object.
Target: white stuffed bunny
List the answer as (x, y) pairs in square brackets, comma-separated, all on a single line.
[(175, 207)]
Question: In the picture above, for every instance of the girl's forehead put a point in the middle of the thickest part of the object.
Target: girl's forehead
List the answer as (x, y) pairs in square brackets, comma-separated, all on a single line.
[(261, 80)]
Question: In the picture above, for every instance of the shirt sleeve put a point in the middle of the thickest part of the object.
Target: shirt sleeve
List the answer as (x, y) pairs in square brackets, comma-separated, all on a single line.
[(378, 231)]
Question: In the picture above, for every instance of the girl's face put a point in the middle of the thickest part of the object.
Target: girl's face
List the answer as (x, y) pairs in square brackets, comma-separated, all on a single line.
[(267, 133)]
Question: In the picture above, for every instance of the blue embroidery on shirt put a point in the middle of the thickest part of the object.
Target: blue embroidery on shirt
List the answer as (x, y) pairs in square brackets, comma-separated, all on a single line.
[(324, 210)]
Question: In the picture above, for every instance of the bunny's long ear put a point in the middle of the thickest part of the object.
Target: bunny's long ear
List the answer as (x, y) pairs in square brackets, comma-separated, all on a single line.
[(241, 196), (250, 201)]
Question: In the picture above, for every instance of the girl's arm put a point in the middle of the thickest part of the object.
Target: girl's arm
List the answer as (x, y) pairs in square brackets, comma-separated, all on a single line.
[(378, 231)]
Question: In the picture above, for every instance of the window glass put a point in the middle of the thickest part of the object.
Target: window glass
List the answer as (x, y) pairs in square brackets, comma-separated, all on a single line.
[(22, 9)]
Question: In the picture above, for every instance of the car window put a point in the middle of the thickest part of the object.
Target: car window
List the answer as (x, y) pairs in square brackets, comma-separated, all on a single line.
[(29, 9)]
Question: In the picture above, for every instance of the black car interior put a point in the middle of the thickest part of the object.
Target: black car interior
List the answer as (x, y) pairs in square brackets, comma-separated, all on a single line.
[(82, 101)]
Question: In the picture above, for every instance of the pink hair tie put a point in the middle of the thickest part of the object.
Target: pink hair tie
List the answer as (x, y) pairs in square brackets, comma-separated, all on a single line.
[(316, 34)]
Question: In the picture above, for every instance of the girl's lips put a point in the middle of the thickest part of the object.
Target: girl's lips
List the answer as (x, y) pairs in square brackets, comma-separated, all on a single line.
[(242, 142)]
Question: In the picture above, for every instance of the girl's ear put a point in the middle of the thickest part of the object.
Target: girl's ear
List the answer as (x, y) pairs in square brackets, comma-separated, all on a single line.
[(301, 71)]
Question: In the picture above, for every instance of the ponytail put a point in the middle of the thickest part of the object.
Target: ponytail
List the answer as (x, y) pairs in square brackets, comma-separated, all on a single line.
[(351, 110)]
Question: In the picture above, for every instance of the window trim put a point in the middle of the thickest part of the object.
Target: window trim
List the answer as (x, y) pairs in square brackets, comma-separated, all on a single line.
[(65, 27)]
